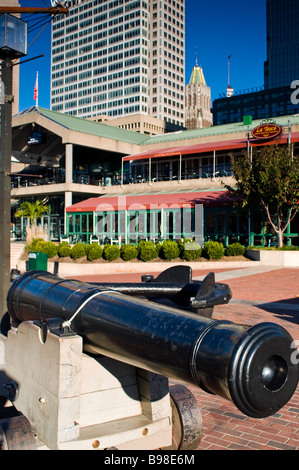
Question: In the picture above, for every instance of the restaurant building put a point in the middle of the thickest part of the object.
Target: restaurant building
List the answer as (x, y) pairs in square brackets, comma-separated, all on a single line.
[(122, 186)]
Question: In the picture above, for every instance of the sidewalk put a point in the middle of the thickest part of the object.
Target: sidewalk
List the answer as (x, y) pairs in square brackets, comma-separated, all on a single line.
[(260, 294), (264, 296)]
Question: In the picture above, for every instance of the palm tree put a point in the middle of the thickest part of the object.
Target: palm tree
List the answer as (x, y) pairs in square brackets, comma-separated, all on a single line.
[(32, 212)]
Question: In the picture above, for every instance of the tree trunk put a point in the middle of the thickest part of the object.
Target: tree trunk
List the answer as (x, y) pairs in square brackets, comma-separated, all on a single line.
[(279, 238)]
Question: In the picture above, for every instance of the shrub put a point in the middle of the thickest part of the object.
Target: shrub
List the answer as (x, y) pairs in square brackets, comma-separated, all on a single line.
[(41, 246), (288, 248), (213, 250), (235, 249), (111, 252), (50, 249), (128, 252), (78, 251), (32, 246), (140, 245), (159, 249), (37, 246), (169, 250), (147, 251), (191, 251), (64, 250), (94, 251)]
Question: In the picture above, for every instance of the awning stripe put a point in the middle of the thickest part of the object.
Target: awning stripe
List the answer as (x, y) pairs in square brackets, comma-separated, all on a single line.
[(205, 147), (153, 201)]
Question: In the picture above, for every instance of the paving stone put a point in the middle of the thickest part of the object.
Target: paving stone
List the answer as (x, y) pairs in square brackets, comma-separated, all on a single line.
[(259, 297)]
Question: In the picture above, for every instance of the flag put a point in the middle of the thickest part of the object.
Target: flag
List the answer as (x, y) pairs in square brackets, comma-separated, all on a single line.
[(229, 57), (35, 95)]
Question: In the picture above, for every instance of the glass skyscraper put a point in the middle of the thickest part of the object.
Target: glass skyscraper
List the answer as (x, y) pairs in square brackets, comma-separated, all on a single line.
[(120, 57), (282, 65)]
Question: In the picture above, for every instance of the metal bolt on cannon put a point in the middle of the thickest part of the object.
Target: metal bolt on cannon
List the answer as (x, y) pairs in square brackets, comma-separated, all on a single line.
[(130, 325)]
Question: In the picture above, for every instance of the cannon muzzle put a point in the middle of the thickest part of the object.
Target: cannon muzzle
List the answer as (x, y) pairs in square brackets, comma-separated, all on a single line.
[(250, 366)]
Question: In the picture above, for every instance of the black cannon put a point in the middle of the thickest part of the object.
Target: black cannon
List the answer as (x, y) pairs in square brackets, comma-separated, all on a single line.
[(250, 366)]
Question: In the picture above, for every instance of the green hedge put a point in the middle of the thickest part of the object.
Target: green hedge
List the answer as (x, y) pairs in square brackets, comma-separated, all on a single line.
[(189, 250), (186, 249), (147, 251), (235, 249), (169, 250), (78, 251), (111, 252), (128, 252), (41, 246), (94, 251), (213, 250), (64, 250)]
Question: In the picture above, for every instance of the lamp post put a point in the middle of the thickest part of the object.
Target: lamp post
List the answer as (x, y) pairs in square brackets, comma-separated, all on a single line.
[(13, 44)]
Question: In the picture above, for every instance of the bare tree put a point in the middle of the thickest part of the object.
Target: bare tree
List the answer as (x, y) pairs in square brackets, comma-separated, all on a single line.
[(270, 179)]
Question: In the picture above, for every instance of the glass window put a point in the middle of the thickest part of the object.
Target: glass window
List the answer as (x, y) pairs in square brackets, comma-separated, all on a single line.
[(221, 223), (99, 224), (232, 223), (211, 226), (77, 223), (84, 223), (71, 223), (90, 223)]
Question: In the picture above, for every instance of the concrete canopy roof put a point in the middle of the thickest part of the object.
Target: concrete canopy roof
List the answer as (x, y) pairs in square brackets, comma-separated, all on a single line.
[(84, 132)]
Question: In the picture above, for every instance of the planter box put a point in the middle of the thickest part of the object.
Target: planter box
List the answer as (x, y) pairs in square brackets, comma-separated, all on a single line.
[(91, 269), (274, 257)]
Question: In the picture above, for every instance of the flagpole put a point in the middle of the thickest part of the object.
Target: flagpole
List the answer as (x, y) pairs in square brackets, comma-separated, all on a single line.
[(36, 91)]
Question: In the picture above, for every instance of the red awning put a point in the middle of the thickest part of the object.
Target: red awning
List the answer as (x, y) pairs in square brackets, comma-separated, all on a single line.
[(153, 201), (187, 149)]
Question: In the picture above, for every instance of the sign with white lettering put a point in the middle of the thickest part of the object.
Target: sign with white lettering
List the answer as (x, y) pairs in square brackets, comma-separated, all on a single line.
[(267, 131)]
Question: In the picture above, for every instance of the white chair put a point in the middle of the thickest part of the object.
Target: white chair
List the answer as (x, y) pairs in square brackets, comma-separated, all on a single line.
[(94, 239), (64, 238)]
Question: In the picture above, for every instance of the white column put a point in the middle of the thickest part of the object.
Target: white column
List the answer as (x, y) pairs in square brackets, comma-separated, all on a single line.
[(68, 200), (69, 163)]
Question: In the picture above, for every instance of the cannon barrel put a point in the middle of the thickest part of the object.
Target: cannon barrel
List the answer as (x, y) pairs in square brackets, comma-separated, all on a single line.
[(250, 366)]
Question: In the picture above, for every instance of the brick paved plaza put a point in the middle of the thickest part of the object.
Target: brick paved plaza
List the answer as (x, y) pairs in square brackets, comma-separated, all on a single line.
[(261, 295)]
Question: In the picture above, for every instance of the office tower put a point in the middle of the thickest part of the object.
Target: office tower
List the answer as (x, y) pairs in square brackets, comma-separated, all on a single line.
[(120, 58), (280, 70), (282, 65), (198, 101)]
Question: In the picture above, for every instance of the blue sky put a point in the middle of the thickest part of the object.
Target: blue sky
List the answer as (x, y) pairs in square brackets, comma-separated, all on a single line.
[(216, 29)]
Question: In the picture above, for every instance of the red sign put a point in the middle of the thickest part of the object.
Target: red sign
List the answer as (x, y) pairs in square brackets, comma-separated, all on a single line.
[(267, 131)]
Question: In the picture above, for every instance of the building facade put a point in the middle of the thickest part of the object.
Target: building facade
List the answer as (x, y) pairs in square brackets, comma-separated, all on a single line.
[(261, 104), (142, 123), (110, 182), (120, 58), (282, 67), (277, 98), (197, 101)]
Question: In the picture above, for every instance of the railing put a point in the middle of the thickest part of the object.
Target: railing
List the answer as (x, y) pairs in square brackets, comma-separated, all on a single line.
[(109, 180), (26, 182)]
